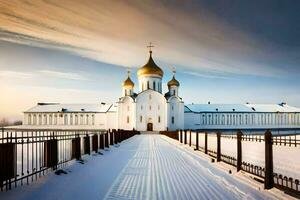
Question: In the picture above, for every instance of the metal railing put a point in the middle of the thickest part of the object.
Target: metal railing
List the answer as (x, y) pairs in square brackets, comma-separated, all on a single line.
[(27, 154)]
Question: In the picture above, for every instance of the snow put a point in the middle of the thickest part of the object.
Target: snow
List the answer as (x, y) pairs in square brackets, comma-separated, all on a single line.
[(146, 166), (285, 158), (73, 108), (240, 108)]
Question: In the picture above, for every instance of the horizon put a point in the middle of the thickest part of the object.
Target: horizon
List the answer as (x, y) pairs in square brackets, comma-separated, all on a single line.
[(80, 54)]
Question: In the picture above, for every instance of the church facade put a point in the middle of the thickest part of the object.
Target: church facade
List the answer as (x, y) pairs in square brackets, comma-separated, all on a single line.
[(149, 109)]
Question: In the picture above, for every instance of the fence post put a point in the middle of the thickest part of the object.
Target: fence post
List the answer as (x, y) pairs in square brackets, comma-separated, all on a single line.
[(205, 143), (180, 135), (106, 140), (218, 146), (197, 141), (185, 136), (269, 178), (190, 142), (239, 150)]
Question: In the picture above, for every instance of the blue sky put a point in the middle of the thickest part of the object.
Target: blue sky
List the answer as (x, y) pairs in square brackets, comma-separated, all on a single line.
[(223, 51)]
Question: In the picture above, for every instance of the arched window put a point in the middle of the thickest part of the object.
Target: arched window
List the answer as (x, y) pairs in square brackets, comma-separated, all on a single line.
[(81, 119), (40, 119), (76, 119), (127, 119), (93, 119), (150, 107), (158, 119), (29, 119), (65, 119), (147, 84), (71, 119), (154, 88), (174, 92), (141, 118), (55, 119), (173, 119), (45, 119), (142, 87), (50, 119), (87, 119), (34, 119)]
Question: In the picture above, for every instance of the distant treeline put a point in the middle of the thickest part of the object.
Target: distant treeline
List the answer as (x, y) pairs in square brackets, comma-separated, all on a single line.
[(5, 122)]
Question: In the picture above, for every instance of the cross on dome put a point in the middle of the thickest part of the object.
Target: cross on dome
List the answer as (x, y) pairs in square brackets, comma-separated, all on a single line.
[(149, 47)]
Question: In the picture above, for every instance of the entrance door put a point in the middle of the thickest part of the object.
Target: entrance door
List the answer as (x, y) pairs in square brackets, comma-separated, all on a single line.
[(149, 127)]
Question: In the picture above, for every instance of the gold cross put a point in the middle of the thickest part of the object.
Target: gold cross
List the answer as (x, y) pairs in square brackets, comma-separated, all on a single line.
[(150, 46)]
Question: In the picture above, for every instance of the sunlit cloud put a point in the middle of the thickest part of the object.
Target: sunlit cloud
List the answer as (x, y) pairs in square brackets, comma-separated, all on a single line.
[(63, 75)]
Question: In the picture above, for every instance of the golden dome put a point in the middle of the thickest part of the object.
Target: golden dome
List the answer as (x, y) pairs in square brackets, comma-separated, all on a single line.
[(150, 68), (128, 83), (173, 82)]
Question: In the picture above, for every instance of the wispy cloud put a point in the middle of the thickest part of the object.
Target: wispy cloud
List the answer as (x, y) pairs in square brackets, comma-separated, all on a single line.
[(206, 75), (116, 32), (63, 75), (15, 75)]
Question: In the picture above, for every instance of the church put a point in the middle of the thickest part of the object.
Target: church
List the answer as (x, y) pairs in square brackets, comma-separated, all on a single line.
[(145, 107)]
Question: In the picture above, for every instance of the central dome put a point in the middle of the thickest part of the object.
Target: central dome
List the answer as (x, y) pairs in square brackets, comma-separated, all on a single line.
[(150, 68)]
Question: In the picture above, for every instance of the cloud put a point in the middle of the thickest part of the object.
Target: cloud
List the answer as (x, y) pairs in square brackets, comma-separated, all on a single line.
[(63, 75), (190, 35), (15, 75), (206, 75)]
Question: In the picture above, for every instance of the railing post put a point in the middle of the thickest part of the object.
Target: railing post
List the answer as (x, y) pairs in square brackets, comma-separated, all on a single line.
[(269, 177), (185, 136), (205, 143), (197, 141), (190, 142), (180, 136), (218, 146), (106, 140), (239, 150)]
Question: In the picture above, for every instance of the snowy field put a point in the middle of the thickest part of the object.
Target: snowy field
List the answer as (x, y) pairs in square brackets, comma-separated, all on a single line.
[(285, 158), (143, 167)]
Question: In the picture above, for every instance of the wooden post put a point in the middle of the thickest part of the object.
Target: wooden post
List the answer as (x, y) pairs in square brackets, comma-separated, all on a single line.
[(269, 177), (190, 142), (218, 146), (102, 141), (185, 136), (106, 140), (239, 150), (205, 143), (197, 141)]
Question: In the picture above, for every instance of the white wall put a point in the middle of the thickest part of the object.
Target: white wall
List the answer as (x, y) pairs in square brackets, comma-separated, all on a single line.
[(157, 102), (176, 110), (126, 109)]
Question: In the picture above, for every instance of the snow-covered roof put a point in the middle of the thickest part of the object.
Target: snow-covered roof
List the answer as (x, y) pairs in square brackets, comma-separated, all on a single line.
[(240, 108), (56, 107)]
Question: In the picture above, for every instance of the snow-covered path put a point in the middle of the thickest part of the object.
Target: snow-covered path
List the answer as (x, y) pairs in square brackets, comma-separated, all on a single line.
[(143, 167), (161, 170)]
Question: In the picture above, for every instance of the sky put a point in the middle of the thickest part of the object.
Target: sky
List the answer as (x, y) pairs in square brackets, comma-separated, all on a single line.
[(75, 51)]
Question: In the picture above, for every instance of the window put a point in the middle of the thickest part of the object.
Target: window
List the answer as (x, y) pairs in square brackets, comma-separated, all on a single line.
[(55, 119), (174, 92), (127, 119), (29, 119), (158, 107), (50, 119), (81, 119), (150, 107), (150, 97), (173, 120), (141, 118), (40, 119), (154, 85), (142, 87), (172, 107), (87, 119), (71, 119), (147, 84), (65, 119), (45, 119), (34, 119), (76, 119), (125, 92), (158, 119), (141, 107), (93, 119)]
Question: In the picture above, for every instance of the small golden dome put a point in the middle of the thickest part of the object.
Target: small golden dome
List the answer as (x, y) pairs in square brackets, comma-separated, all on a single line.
[(150, 68), (128, 83), (173, 82)]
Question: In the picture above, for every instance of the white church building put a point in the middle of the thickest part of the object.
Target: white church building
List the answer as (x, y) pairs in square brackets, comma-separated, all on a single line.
[(147, 108)]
